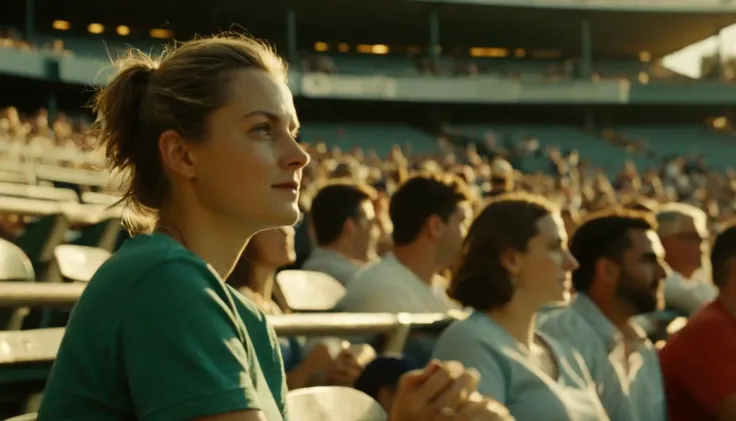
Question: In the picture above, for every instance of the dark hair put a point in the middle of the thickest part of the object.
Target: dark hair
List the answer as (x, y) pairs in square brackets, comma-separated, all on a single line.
[(604, 235), (177, 91), (724, 249), (384, 371), (333, 205), (508, 222), (420, 197)]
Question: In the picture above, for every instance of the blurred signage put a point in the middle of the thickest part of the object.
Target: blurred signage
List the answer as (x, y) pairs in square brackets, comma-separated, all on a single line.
[(345, 86)]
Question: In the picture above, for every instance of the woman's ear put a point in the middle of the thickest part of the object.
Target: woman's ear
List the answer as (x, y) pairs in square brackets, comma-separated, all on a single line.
[(510, 261)]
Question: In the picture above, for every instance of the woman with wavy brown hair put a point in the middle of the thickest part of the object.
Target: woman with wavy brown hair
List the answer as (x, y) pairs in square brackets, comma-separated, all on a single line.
[(515, 260)]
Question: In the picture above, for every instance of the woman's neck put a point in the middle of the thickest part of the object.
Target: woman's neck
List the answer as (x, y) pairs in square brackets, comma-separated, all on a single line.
[(518, 320), (216, 241)]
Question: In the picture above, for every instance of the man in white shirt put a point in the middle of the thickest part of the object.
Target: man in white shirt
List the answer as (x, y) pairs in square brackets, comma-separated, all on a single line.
[(684, 234), (343, 222), (430, 215)]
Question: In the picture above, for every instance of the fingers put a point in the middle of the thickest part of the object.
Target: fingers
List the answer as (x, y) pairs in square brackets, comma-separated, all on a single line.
[(435, 385), (459, 391), (482, 410)]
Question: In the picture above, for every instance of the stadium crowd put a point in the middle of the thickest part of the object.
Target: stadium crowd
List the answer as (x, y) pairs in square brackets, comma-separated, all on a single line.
[(564, 276)]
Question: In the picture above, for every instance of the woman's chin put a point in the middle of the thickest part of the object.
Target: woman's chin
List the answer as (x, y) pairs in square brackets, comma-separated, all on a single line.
[(288, 215)]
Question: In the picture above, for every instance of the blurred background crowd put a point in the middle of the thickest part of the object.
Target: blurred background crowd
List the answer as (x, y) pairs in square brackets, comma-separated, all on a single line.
[(572, 102)]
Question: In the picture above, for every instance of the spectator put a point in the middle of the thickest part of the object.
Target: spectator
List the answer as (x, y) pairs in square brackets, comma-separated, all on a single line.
[(254, 276), (344, 224), (514, 261), (208, 135), (698, 361), (684, 233), (429, 215), (620, 276)]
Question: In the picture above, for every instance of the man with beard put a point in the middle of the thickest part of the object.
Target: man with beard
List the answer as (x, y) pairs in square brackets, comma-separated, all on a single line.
[(620, 276)]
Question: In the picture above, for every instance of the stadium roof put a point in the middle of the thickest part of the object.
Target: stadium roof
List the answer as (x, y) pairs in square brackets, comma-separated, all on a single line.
[(405, 22), (613, 33)]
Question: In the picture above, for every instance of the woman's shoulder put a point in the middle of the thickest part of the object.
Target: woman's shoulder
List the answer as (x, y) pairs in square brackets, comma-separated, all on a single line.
[(151, 267), (144, 254)]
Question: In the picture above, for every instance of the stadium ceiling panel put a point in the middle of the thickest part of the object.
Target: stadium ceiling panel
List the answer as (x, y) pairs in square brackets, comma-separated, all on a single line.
[(406, 22), (613, 33)]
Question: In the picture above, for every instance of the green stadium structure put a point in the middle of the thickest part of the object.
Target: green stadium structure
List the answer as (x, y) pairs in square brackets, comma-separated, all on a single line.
[(379, 72)]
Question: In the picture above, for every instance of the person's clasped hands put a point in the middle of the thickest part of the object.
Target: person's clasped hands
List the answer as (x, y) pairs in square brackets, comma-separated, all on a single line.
[(444, 391)]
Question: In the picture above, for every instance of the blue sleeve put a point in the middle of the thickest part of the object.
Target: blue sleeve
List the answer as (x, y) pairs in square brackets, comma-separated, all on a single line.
[(183, 355)]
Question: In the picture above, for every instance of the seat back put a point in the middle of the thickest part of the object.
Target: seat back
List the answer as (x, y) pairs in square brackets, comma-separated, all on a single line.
[(79, 263), (333, 403), (305, 290), (26, 417), (17, 267), (14, 264)]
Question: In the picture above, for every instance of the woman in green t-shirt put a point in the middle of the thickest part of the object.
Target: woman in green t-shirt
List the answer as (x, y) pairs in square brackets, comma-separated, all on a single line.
[(207, 135)]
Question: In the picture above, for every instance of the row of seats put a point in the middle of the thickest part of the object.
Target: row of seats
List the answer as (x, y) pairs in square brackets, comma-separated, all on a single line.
[(328, 403)]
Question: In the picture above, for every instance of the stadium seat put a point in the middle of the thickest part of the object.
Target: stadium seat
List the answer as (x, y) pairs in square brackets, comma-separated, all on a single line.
[(333, 403), (26, 417), (79, 263), (305, 290), (40, 239), (15, 266)]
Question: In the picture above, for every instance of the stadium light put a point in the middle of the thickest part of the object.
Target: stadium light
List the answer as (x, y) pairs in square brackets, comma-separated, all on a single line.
[(520, 53), (645, 57), (161, 33), (380, 49), (61, 25), (488, 52), (364, 48), (95, 28), (123, 30), (720, 122), (343, 47), (321, 46)]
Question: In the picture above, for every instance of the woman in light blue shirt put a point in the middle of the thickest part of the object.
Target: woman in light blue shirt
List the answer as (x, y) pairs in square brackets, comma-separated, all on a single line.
[(515, 260)]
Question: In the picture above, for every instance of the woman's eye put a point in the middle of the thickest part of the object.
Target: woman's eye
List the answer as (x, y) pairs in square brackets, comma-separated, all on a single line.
[(262, 129)]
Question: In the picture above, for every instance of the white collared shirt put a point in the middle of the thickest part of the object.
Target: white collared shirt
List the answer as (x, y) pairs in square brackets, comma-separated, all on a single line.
[(389, 286), (687, 295)]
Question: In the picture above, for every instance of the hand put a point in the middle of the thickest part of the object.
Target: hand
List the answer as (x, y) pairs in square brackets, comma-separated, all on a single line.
[(344, 370), (481, 408), (443, 392)]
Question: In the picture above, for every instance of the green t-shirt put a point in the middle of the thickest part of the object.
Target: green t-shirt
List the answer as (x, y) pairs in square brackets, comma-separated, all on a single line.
[(157, 336)]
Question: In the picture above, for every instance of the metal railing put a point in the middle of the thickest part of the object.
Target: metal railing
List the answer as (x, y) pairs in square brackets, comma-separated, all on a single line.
[(41, 294), (39, 345), (42, 345)]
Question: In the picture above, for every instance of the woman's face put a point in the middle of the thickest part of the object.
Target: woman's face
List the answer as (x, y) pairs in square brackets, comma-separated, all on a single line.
[(544, 269), (249, 168), (275, 247)]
